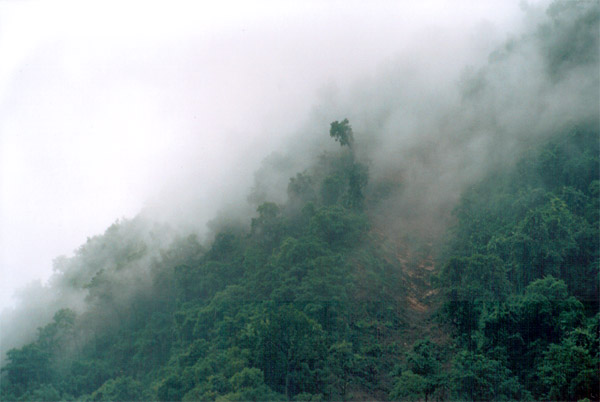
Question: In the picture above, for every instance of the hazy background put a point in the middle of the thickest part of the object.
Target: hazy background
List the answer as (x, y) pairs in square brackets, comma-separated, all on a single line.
[(107, 108)]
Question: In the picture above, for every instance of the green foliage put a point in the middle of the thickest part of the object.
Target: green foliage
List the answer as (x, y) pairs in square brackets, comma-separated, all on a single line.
[(342, 132), (306, 303), (521, 274), (332, 189), (423, 359), (358, 177), (421, 378), (301, 191), (471, 283), (291, 351), (410, 387), (343, 364), (476, 377), (119, 389), (171, 389), (346, 178), (44, 392), (248, 385), (538, 217), (570, 37), (268, 227), (543, 240), (28, 366), (569, 370), (53, 336), (337, 226)]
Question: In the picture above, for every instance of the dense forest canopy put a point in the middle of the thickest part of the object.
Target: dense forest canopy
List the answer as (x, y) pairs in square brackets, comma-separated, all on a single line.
[(338, 293)]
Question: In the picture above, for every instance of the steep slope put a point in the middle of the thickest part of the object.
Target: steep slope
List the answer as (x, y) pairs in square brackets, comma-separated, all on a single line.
[(363, 286)]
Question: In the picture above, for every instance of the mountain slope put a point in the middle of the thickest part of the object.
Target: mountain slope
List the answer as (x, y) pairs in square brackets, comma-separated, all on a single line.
[(444, 274)]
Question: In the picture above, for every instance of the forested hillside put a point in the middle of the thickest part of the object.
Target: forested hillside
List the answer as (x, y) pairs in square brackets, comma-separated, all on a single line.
[(307, 304), (315, 299)]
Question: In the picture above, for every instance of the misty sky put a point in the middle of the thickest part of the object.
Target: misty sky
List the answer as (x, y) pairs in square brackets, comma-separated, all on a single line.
[(109, 107)]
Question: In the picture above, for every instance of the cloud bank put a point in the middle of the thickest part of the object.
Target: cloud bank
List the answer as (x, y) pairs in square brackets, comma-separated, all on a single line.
[(173, 115)]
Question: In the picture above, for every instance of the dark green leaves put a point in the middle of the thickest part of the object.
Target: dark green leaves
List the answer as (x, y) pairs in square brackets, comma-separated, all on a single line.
[(342, 132)]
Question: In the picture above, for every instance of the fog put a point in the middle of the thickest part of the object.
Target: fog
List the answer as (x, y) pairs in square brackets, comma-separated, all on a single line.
[(193, 115), (108, 109)]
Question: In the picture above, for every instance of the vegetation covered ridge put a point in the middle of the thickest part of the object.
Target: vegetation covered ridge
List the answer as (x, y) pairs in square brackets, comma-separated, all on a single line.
[(308, 303), (468, 270)]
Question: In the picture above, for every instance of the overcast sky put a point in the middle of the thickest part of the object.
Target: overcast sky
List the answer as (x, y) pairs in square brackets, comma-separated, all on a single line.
[(106, 106)]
